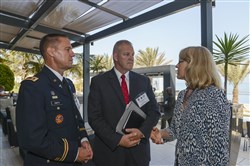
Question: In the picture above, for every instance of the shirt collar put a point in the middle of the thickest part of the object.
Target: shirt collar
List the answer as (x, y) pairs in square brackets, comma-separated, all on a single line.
[(118, 74), (59, 76)]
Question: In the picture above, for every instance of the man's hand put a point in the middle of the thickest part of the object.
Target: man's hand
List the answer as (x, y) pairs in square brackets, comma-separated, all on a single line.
[(137, 134), (85, 152), (156, 136), (131, 139)]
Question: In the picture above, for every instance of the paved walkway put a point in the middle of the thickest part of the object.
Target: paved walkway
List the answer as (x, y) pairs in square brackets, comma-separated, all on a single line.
[(163, 155)]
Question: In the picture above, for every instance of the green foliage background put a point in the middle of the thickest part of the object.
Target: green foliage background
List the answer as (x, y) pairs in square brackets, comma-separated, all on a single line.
[(7, 78)]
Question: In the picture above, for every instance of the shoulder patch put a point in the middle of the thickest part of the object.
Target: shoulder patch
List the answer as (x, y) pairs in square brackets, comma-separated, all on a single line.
[(34, 79)]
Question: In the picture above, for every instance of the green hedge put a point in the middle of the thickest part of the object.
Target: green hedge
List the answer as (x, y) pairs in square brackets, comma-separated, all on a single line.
[(7, 78)]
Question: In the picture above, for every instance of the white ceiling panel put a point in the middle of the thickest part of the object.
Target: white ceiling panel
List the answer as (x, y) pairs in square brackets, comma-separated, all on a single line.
[(20, 7), (130, 7), (65, 13), (92, 21), (24, 22), (7, 33), (28, 42)]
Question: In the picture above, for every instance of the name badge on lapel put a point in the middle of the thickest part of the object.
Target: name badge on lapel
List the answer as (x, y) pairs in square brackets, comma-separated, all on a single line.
[(142, 99)]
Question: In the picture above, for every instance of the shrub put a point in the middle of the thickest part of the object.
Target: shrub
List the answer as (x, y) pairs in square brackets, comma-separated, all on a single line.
[(7, 78)]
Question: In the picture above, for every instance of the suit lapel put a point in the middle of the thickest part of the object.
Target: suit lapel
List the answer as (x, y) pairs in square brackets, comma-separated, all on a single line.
[(116, 86), (132, 86)]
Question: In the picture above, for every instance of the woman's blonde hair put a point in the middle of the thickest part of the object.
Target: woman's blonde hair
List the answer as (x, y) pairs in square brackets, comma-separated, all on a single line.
[(201, 70)]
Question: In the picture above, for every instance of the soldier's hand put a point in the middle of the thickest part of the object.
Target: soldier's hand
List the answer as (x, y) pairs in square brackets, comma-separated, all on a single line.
[(86, 144), (83, 155)]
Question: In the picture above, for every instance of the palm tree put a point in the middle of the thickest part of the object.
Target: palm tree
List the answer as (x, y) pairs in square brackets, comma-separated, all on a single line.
[(77, 69), (230, 51), (4, 57), (77, 72), (16, 61), (33, 64), (150, 57), (22, 64), (26, 64), (108, 61), (236, 74), (96, 63)]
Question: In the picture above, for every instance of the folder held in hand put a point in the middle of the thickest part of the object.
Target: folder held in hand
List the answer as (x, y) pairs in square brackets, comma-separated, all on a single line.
[(133, 117)]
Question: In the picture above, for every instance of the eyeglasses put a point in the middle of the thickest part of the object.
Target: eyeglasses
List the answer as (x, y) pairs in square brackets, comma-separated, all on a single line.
[(180, 61)]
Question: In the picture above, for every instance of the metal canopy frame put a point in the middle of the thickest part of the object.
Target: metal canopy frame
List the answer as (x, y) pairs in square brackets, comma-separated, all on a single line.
[(27, 24), (118, 20)]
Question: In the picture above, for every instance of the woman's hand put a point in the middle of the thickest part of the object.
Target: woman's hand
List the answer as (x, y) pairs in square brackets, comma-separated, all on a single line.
[(156, 136)]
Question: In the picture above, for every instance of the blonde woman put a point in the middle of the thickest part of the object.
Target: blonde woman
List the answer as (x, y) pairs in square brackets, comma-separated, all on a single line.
[(201, 115)]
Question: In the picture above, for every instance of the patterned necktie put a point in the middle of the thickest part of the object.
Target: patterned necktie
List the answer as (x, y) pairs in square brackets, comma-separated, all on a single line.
[(124, 89)]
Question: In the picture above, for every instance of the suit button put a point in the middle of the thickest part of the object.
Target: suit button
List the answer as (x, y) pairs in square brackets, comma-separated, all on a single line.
[(48, 161), (76, 116)]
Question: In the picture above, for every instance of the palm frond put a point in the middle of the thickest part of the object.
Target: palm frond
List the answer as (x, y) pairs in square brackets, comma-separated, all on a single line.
[(230, 50)]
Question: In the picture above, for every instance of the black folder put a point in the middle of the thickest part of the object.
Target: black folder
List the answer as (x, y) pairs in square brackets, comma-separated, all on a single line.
[(134, 120), (133, 117)]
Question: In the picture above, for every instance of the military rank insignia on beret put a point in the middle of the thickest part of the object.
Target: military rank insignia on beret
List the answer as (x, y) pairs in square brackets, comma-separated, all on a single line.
[(32, 79)]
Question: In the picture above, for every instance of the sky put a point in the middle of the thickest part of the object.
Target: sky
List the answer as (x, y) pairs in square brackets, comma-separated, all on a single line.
[(172, 33), (175, 32)]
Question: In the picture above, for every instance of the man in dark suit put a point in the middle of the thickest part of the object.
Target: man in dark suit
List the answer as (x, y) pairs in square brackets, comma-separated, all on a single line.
[(168, 107), (49, 125), (106, 105)]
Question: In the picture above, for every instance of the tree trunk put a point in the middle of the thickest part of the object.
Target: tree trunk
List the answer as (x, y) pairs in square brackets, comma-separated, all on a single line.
[(236, 94), (225, 81)]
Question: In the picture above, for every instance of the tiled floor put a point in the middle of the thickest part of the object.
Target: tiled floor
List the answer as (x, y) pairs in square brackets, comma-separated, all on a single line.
[(161, 155), (8, 156)]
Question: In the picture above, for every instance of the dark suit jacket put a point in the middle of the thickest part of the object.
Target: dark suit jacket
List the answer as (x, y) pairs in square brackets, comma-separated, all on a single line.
[(49, 126), (169, 107), (106, 106)]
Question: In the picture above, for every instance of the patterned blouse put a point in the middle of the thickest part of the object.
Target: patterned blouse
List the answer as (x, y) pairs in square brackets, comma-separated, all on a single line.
[(202, 128)]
